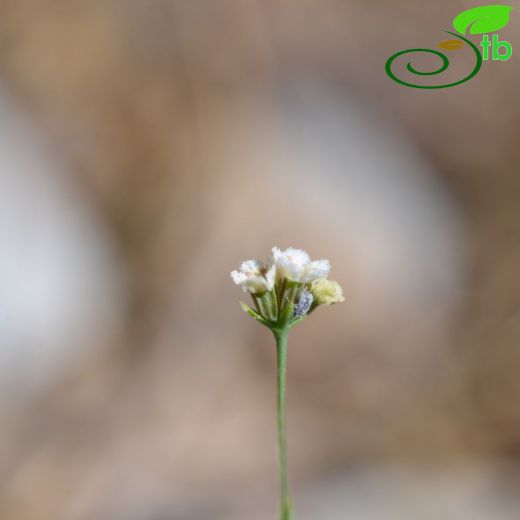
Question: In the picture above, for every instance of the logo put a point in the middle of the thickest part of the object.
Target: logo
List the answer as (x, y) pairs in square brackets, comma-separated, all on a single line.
[(482, 20)]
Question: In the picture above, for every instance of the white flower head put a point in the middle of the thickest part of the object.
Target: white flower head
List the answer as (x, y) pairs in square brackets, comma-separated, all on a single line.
[(296, 266), (255, 277)]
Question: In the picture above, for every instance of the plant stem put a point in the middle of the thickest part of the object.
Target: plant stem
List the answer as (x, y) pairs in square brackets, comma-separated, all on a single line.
[(281, 351)]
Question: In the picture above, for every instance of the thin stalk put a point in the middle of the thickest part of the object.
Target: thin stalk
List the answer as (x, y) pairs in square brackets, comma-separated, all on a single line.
[(281, 351)]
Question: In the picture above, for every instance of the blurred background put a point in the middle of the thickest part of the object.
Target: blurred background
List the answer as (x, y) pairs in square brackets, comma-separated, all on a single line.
[(146, 149)]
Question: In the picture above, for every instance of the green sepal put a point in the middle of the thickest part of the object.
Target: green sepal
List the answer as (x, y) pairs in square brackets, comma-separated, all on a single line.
[(255, 315), (268, 305), (295, 321), (286, 315)]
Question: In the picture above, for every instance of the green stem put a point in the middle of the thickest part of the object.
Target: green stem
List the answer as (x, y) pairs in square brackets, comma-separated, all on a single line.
[(281, 351)]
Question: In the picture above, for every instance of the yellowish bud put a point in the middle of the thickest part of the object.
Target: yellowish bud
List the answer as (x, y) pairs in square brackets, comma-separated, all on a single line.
[(327, 292)]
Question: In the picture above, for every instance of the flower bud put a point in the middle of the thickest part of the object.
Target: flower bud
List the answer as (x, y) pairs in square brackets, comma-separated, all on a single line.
[(327, 292)]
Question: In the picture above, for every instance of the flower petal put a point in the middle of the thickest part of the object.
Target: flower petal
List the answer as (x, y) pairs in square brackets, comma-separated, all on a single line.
[(315, 270), (290, 263), (251, 277), (270, 276)]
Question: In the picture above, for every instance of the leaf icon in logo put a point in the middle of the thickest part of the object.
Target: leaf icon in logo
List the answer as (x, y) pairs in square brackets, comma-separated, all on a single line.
[(483, 19), (451, 45)]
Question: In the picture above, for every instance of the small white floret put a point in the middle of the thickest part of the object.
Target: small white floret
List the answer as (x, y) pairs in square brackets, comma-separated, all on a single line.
[(255, 277)]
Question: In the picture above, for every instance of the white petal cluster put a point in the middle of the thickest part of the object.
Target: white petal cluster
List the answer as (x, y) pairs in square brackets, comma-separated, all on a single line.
[(296, 266), (255, 277)]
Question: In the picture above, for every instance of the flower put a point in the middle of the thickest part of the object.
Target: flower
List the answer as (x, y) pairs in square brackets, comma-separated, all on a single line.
[(255, 277), (327, 292), (285, 290), (296, 266)]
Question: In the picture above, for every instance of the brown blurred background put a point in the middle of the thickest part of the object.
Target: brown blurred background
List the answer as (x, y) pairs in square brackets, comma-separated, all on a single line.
[(146, 148)]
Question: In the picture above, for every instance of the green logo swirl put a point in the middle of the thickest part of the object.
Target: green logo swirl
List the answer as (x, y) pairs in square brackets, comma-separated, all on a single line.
[(445, 64)]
